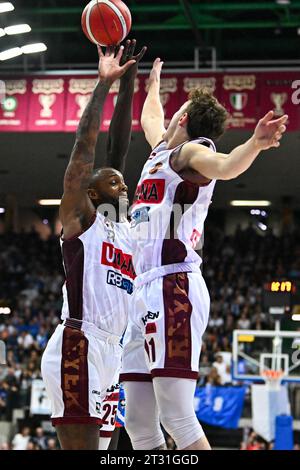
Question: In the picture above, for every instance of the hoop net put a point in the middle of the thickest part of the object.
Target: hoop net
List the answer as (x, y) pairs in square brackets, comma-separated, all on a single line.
[(272, 378)]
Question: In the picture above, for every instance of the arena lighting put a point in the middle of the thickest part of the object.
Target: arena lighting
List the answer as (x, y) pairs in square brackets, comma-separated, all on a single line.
[(2, 210), (5, 310), (31, 48), (283, 2), (245, 203), (10, 53), (17, 29), (262, 226), (296, 317), (7, 6), (49, 202)]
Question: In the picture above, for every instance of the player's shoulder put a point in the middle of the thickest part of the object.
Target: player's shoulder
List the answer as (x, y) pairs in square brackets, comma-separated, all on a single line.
[(159, 147), (192, 148)]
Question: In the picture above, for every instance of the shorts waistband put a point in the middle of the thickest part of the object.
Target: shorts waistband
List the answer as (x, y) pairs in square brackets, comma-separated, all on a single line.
[(154, 273), (92, 329)]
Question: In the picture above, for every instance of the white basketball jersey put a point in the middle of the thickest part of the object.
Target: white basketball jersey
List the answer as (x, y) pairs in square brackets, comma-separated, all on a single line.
[(99, 275), (168, 214)]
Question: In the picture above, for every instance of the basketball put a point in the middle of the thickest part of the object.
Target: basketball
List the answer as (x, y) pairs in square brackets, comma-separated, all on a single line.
[(106, 22)]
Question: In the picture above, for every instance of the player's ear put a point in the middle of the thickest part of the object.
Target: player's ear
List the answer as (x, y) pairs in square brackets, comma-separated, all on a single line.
[(92, 194), (183, 120)]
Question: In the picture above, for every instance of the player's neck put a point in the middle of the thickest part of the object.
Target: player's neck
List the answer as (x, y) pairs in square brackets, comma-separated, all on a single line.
[(176, 139)]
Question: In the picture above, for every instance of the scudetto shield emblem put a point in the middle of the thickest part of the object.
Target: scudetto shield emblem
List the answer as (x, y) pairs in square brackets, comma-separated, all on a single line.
[(238, 100)]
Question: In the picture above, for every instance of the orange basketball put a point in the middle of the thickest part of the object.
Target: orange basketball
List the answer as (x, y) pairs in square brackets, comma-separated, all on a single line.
[(106, 22)]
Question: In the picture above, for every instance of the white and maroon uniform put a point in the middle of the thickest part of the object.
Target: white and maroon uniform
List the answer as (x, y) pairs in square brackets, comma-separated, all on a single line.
[(171, 304), (83, 355)]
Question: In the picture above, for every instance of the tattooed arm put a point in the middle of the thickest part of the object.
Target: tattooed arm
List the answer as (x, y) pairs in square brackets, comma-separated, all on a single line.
[(119, 135), (76, 208)]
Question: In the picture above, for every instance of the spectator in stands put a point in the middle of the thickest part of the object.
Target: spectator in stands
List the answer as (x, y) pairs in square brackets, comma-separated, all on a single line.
[(21, 440), (235, 268), (11, 386), (52, 444), (243, 323), (4, 446), (223, 370), (40, 438), (3, 399)]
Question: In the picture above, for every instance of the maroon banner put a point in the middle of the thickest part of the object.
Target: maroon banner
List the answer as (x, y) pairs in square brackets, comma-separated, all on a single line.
[(14, 107), (192, 81), (79, 90), (239, 93), (47, 105), (57, 103), (277, 95)]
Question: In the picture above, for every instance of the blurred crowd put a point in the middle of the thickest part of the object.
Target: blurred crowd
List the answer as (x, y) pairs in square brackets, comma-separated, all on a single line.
[(235, 269), (31, 277)]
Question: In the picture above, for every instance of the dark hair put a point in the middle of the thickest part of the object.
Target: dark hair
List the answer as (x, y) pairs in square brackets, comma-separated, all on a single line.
[(206, 116)]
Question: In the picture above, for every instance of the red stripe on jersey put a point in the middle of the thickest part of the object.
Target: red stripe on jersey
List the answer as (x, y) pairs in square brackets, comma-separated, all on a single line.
[(73, 257), (135, 377), (178, 373), (178, 311), (105, 433), (76, 420), (74, 374)]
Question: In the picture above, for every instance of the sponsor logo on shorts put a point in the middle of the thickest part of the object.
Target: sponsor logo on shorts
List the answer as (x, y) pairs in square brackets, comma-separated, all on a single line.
[(139, 216), (98, 407), (150, 316), (113, 388), (96, 392), (150, 328), (117, 280), (74, 372)]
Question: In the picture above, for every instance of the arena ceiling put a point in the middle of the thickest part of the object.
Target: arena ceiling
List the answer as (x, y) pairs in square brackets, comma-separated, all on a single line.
[(239, 30)]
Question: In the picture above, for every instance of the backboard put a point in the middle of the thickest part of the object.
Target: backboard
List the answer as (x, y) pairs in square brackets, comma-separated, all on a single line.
[(255, 351)]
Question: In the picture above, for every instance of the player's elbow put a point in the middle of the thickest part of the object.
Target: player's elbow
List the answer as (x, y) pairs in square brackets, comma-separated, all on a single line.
[(226, 172), (147, 122)]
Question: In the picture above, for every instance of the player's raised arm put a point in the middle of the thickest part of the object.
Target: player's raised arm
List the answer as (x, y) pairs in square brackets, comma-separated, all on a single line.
[(119, 134), (152, 119), (212, 165), (76, 208)]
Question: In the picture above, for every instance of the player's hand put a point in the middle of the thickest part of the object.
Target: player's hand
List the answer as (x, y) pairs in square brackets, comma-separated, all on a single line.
[(156, 71), (128, 54), (110, 68), (269, 131)]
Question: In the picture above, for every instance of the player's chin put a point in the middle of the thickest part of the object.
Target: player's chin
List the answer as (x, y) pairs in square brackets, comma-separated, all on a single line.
[(123, 197)]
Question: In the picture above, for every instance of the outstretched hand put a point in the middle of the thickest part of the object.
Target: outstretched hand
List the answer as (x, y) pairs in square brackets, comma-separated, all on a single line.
[(127, 56), (268, 132), (110, 67), (156, 71)]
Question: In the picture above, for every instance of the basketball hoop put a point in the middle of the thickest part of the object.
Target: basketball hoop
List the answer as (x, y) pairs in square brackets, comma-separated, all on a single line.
[(272, 378)]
